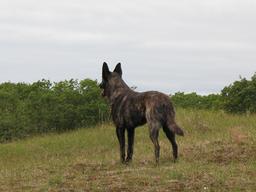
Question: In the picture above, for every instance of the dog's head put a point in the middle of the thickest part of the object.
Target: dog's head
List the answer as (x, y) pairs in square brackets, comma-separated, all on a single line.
[(110, 80)]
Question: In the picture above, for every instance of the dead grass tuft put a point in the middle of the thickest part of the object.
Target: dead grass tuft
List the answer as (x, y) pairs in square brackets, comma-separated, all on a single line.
[(237, 135)]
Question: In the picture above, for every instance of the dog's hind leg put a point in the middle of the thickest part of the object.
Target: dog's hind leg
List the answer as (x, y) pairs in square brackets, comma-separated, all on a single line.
[(120, 132), (171, 136), (130, 133), (154, 127)]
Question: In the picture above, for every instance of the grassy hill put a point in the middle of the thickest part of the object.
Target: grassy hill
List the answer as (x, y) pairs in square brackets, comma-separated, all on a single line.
[(218, 153)]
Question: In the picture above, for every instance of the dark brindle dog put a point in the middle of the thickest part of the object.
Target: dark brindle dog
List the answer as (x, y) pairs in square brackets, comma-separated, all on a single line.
[(130, 109)]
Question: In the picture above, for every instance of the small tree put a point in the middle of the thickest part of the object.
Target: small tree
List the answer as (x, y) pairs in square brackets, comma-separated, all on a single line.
[(240, 96)]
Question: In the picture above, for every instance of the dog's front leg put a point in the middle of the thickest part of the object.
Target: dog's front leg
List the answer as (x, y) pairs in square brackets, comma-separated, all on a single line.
[(121, 138), (130, 144)]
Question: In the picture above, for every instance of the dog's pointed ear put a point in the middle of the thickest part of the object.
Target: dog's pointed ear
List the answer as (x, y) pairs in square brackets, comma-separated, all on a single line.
[(118, 69), (105, 71)]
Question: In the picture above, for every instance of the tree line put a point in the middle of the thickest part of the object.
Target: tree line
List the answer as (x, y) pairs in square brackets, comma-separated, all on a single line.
[(238, 97), (44, 106)]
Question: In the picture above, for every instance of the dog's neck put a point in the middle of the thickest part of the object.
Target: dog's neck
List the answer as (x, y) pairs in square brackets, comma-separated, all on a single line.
[(120, 89)]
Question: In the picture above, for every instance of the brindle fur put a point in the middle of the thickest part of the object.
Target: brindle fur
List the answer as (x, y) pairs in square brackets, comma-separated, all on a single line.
[(130, 109)]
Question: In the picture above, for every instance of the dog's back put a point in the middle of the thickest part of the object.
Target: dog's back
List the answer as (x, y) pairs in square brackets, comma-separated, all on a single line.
[(133, 109)]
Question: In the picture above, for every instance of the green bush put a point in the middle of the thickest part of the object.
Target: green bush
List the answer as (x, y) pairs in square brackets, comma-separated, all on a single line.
[(27, 109), (193, 100), (43, 106), (240, 96)]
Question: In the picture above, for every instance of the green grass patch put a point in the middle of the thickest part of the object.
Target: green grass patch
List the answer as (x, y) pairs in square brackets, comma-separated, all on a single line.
[(218, 153)]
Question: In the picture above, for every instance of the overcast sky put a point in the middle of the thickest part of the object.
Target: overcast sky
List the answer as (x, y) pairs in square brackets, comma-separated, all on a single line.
[(165, 45)]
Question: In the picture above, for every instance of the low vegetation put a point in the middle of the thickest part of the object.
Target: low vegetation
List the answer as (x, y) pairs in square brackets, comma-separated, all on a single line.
[(218, 153), (43, 107), (50, 107), (195, 101), (239, 97)]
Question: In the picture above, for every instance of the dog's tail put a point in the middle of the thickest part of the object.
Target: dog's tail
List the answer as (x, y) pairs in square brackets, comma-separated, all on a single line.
[(175, 128)]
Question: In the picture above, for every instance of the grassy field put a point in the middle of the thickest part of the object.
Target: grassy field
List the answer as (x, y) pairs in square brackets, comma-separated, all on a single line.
[(218, 153)]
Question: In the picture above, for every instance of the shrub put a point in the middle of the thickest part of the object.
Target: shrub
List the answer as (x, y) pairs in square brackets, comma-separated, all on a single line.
[(240, 96), (41, 107), (193, 100)]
